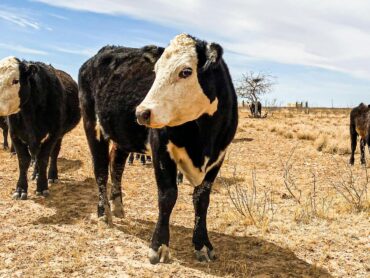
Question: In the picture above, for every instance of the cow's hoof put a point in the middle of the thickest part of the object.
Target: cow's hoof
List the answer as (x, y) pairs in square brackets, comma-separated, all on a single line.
[(16, 195), (53, 181), (117, 208), (205, 254), (44, 193), (105, 220), (23, 196), (160, 256)]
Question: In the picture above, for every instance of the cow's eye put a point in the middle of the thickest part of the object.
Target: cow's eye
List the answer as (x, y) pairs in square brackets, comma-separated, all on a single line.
[(15, 81), (186, 72)]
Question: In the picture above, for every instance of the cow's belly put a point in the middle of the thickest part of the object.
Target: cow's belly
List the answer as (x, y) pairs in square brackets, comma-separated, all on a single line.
[(195, 175)]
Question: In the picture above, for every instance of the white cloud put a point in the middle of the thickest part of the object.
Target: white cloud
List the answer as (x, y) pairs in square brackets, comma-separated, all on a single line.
[(326, 34), (19, 20), (22, 49), (80, 51)]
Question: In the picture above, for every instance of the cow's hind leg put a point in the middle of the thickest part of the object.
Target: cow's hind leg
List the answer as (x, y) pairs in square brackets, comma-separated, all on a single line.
[(41, 165), (99, 149), (5, 135), (203, 248), (362, 148), (24, 160), (117, 164), (165, 174), (143, 159), (53, 168), (131, 159), (354, 135)]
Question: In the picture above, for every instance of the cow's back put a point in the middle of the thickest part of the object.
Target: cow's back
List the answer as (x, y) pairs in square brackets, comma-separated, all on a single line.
[(73, 114), (112, 84)]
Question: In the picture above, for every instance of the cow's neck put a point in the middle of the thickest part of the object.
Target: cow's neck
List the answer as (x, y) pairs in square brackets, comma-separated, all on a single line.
[(192, 146)]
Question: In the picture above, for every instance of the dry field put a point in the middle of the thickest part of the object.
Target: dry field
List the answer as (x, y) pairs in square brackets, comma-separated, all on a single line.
[(285, 205)]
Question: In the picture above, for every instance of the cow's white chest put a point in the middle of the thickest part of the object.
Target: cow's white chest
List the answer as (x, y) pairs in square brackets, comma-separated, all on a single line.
[(195, 175)]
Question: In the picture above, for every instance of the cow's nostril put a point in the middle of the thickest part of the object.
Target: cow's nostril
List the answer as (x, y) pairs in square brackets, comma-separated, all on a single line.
[(143, 117)]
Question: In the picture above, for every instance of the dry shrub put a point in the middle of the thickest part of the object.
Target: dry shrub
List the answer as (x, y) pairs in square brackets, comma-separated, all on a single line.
[(307, 134), (284, 131), (273, 128), (353, 187), (250, 201), (321, 142), (333, 144), (308, 204)]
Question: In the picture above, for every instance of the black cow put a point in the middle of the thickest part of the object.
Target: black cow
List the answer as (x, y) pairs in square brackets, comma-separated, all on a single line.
[(256, 113), (360, 126), (42, 105), (190, 106), (5, 128)]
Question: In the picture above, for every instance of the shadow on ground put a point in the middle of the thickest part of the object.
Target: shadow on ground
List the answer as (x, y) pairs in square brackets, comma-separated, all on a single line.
[(247, 139), (68, 165), (237, 256), (72, 201)]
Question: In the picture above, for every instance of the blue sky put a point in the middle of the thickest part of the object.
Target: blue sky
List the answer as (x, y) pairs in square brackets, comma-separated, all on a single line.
[(317, 49)]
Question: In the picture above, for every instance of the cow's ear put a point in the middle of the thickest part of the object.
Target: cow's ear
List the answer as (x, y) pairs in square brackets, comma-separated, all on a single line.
[(152, 53), (213, 53), (32, 69)]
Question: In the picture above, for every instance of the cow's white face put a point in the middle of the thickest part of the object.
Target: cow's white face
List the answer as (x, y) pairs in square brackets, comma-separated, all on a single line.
[(9, 86), (176, 96)]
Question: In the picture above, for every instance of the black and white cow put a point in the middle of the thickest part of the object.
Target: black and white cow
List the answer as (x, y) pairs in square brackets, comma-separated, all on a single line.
[(190, 108), (5, 128), (42, 105)]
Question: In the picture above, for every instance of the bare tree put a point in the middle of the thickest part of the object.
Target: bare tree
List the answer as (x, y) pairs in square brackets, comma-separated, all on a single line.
[(252, 86)]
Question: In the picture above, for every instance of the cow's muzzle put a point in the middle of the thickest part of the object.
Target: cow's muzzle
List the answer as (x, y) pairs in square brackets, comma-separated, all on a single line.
[(143, 116)]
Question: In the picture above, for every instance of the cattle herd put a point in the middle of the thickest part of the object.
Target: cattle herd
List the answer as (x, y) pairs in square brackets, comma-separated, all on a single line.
[(175, 105)]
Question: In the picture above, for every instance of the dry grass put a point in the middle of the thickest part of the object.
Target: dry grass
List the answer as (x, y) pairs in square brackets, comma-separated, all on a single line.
[(319, 236)]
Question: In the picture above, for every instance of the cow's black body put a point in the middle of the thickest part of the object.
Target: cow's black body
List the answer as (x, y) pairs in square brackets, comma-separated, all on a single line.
[(112, 84), (49, 109), (254, 112), (360, 126), (5, 128)]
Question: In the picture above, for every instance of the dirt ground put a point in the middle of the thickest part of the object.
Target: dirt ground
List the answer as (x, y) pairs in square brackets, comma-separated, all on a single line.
[(311, 231)]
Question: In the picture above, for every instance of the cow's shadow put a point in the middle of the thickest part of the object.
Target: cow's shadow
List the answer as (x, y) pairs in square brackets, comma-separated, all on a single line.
[(68, 165), (72, 201), (237, 256)]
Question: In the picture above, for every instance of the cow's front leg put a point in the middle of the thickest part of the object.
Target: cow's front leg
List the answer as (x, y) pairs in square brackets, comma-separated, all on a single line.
[(165, 173), (24, 160), (204, 251)]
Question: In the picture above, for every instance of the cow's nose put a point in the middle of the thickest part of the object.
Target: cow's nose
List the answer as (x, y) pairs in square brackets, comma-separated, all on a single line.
[(143, 117)]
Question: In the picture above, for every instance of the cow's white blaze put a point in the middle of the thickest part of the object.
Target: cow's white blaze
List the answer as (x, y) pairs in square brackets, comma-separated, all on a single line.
[(9, 86), (173, 100), (194, 174)]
